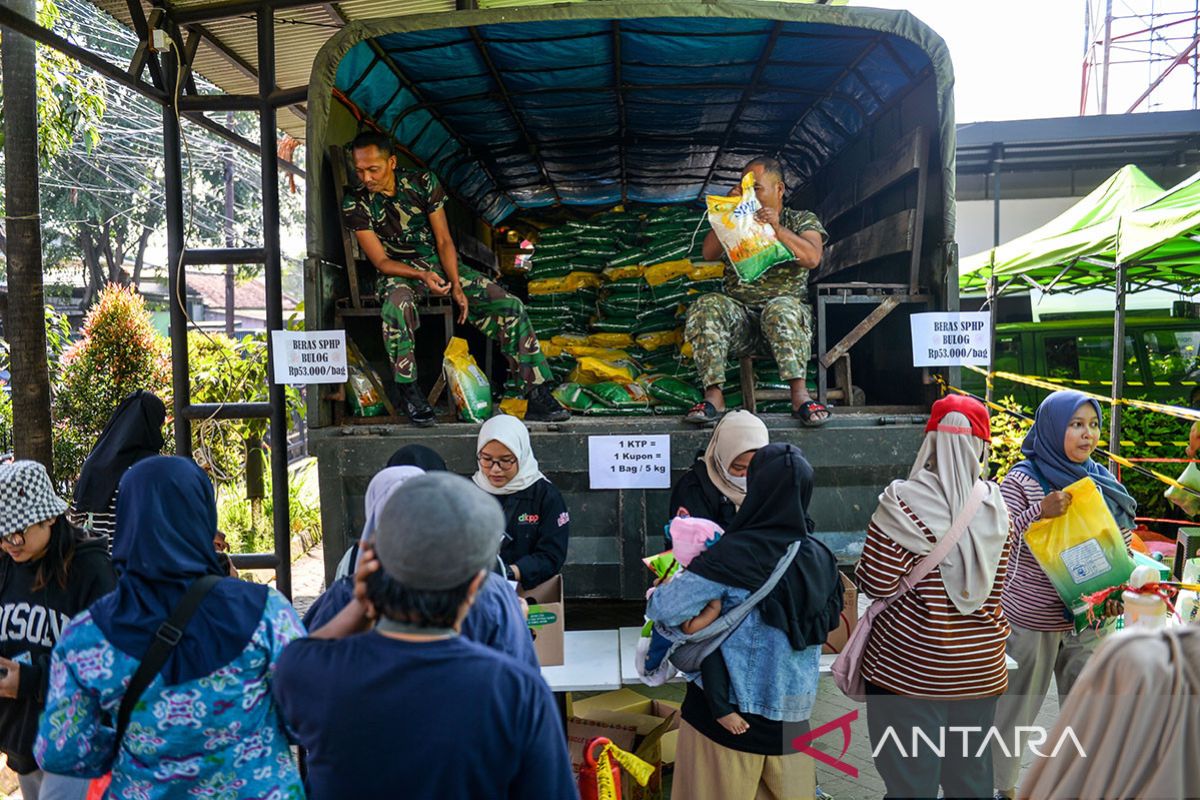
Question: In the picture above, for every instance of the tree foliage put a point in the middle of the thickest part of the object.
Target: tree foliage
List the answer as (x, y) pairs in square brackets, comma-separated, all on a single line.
[(119, 351), (1008, 432), (58, 339), (71, 99), (103, 190), (226, 370)]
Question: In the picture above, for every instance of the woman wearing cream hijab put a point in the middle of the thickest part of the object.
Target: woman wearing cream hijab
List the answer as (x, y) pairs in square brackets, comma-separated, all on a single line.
[(1130, 726), (537, 524), (715, 486)]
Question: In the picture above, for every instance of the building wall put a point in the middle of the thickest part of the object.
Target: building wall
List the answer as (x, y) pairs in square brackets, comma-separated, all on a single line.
[(1017, 217)]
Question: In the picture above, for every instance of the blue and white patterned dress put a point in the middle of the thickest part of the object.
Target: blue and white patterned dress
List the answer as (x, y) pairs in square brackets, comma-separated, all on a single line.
[(217, 737)]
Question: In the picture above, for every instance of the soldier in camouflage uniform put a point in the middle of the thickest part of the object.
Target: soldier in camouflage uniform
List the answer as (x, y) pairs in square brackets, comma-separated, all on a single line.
[(399, 220), (772, 310)]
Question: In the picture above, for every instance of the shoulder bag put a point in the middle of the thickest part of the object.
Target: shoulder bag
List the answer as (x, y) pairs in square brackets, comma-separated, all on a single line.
[(847, 667)]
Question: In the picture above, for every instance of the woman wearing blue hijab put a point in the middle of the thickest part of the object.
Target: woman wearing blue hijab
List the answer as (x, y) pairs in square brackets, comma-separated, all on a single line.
[(206, 725), (1058, 452)]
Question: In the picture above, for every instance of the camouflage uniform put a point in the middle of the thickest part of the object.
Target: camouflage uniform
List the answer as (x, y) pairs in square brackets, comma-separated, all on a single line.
[(402, 224), (772, 310)]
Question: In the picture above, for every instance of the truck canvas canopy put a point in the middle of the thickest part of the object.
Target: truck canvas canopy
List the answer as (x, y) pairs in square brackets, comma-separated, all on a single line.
[(537, 117), (607, 102)]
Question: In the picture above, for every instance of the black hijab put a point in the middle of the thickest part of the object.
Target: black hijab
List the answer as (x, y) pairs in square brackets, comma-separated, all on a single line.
[(166, 521), (807, 602), (133, 432), (417, 455)]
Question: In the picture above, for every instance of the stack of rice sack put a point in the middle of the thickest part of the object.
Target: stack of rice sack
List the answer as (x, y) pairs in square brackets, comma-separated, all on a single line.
[(609, 297)]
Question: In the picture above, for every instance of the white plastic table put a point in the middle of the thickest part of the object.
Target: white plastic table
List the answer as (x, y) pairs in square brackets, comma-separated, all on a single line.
[(629, 674), (591, 663)]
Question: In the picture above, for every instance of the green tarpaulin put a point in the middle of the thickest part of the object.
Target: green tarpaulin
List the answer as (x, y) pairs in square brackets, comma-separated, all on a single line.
[(1075, 250), (1160, 241)]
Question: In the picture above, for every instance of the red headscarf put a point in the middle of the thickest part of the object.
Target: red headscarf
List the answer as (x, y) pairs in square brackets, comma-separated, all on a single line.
[(937, 489), (975, 412)]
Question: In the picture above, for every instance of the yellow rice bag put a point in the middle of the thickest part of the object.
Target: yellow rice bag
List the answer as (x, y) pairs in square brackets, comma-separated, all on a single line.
[(707, 271), (621, 273), (514, 406), (752, 246), (470, 388), (668, 270), (590, 371), (549, 349), (615, 340), (653, 341), (569, 340), (685, 350), (567, 283), (606, 353)]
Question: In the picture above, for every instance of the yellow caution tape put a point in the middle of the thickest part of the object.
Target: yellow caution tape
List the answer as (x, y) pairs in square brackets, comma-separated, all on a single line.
[(1042, 383), (1124, 462), (638, 769)]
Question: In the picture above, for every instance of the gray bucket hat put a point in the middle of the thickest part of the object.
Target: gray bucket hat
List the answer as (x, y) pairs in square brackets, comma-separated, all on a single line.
[(437, 531), (26, 496)]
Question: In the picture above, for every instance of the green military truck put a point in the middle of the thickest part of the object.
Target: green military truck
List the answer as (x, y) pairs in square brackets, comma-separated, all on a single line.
[(1162, 357), (534, 116)]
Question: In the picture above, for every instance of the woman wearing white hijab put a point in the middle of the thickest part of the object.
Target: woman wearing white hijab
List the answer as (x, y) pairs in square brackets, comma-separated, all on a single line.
[(715, 486), (538, 525)]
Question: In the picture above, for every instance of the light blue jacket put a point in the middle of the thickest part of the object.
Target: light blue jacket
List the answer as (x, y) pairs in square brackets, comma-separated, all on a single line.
[(766, 676)]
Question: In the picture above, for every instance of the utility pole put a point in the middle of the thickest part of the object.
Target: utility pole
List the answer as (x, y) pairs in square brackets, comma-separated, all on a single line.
[(229, 209), (25, 321), (1108, 20)]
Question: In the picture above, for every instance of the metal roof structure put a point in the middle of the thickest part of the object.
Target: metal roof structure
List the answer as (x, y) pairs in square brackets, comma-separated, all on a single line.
[(1105, 141), (225, 38)]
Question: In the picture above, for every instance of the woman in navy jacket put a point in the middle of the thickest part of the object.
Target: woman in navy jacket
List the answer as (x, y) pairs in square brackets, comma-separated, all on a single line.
[(537, 524)]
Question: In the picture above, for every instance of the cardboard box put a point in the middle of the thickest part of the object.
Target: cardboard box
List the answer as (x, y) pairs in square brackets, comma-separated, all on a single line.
[(546, 620), (1187, 545), (838, 638), (647, 728)]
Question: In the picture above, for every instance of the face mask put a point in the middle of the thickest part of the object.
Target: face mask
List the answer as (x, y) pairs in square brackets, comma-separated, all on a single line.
[(740, 483)]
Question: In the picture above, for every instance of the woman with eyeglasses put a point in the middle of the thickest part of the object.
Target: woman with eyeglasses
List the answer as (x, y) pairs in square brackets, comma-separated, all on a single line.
[(49, 572), (537, 522)]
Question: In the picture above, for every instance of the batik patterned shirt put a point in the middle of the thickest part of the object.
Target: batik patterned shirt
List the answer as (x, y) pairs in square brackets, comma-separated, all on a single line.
[(217, 737)]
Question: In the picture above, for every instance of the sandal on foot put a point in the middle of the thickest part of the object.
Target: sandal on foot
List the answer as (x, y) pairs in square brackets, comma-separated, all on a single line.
[(703, 413), (807, 412)]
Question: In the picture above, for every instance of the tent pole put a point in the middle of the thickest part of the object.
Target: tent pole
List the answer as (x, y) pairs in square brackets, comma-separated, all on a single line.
[(993, 317), (992, 292), (1118, 369)]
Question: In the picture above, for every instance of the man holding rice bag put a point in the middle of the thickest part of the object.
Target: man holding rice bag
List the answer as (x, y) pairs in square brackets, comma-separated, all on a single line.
[(400, 223), (768, 251)]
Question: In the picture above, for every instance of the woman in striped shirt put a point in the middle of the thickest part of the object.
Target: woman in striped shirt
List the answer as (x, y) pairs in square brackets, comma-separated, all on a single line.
[(1058, 451), (935, 659)]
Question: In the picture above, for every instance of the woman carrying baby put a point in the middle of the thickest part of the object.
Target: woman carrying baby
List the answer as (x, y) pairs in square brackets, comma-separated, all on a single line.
[(773, 656)]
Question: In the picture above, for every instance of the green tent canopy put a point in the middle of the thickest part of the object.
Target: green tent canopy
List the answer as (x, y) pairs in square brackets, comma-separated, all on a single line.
[(1074, 251), (1160, 242)]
